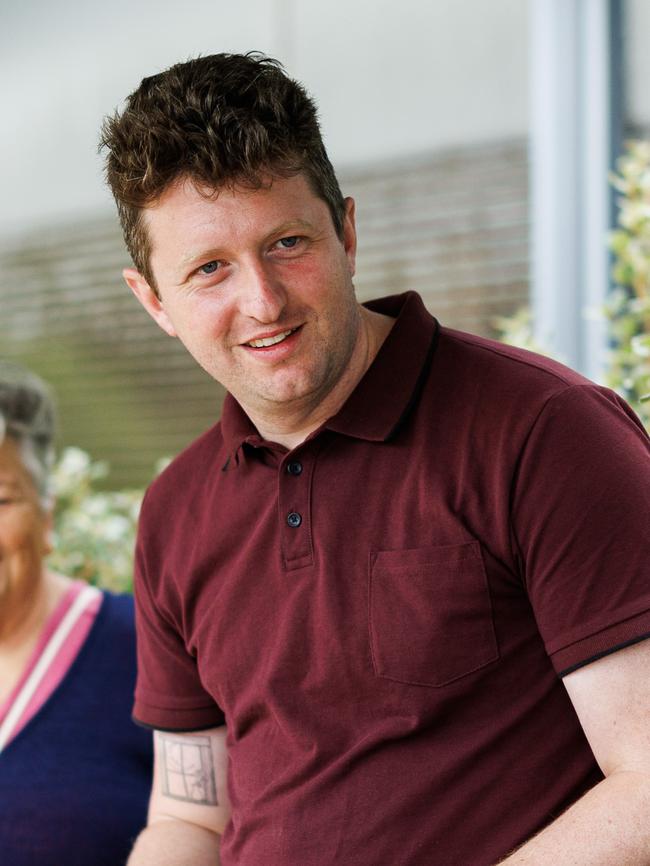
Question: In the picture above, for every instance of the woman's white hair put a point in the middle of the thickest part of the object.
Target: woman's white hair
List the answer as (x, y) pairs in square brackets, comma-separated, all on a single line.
[(27, 416)]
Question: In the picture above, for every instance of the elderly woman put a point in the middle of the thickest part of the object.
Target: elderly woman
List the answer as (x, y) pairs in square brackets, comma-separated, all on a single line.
[(74, 769)]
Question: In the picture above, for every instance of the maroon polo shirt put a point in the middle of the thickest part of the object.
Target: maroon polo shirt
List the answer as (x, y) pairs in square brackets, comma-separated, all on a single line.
[(382, 616)]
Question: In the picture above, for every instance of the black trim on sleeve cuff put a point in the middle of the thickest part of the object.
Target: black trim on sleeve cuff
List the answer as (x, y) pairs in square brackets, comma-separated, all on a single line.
[(173, 730), (604, 653)]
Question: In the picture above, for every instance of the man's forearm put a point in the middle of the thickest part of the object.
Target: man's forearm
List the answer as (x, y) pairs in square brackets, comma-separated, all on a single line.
[(175, 843), (609, 826)]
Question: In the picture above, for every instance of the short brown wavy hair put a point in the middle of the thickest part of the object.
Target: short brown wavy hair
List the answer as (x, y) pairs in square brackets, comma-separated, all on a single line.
[(219, 120)]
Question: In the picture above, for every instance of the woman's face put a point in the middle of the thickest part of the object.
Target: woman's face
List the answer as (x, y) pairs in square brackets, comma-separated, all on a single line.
[(23, 534)]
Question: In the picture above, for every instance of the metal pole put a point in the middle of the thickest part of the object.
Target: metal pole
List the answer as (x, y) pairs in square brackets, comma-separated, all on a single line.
[(573, 97)]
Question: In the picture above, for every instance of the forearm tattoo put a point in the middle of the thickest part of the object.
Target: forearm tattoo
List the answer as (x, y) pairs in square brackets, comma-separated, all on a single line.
[(187, 769)]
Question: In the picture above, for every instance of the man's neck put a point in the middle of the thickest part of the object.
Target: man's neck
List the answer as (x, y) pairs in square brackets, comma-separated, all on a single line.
[(291, 425)]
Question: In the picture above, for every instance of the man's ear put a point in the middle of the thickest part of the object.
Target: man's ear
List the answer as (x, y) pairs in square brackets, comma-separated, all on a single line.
[(350, 234), (149, 299)]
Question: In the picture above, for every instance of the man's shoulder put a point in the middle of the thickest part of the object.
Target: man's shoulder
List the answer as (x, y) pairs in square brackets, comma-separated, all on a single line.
[(193, 468), (516, 388), (484, 357)]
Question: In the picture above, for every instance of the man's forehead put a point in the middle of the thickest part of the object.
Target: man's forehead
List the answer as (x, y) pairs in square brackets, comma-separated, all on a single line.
[(187, 206)]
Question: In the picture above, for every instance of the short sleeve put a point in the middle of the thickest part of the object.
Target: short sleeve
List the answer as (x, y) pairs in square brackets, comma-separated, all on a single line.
[(169, 694), (580, 507)]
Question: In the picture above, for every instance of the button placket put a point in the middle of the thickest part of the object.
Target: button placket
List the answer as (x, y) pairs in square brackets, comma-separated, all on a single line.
[(294, 481)]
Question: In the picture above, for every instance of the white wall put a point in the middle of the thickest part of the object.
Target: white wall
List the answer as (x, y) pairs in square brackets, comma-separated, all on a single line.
[(65, 64), (402, 77), (390, 78)]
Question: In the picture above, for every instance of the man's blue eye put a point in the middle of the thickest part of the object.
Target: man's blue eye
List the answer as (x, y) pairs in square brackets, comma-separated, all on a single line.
[(209, 268), (288, 243)]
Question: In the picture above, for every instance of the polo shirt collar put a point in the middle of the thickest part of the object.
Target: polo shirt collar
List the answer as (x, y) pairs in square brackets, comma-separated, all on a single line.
[(390, 386), (385, 393)]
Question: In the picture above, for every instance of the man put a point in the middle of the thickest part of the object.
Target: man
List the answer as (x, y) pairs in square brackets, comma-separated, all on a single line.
[(391, 608)]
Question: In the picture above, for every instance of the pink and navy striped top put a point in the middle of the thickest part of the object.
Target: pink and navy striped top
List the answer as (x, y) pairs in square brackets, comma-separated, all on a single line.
[(58, 645)]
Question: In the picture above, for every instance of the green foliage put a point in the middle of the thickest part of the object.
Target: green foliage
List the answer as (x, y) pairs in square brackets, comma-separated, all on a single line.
[(94, 531), (628, 308)]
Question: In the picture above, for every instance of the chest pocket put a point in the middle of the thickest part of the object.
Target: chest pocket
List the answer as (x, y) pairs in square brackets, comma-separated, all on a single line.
[(430, 615)]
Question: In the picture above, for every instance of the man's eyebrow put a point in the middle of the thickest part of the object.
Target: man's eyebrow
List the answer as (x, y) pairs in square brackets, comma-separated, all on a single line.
[(217, 252), (289, 225), (200, 255)]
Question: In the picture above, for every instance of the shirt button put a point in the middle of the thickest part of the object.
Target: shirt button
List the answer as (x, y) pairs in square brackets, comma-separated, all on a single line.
[(294, 519), (294, 468)]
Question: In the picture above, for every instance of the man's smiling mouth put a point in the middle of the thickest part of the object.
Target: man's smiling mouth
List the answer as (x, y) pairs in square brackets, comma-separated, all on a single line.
[(265, 342)]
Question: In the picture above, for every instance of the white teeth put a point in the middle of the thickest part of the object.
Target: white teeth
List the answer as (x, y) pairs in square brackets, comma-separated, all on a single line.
[(270, 341)]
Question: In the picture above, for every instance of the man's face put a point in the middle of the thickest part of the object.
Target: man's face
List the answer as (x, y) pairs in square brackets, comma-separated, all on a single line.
[(258, 287)]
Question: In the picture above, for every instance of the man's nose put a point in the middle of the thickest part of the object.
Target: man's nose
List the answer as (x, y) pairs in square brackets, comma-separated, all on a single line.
[(263, 295)]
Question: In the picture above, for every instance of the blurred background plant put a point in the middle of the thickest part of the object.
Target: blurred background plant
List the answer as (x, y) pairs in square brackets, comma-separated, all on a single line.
[(628, 307), (94, 530)]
